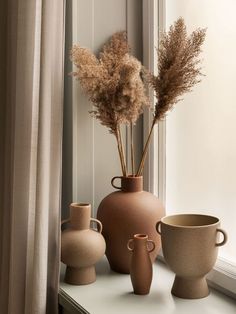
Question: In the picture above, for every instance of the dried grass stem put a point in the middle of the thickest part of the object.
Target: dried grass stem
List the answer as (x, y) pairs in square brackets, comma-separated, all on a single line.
[(145, 151), (132, 148), (121, 151)]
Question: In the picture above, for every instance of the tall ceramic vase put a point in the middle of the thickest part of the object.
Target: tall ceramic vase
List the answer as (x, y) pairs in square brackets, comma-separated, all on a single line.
[(81, 247), (126, 212), (141, 265)]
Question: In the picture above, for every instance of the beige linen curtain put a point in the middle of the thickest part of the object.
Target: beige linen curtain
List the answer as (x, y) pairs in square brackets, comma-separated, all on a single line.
[(31, 96)]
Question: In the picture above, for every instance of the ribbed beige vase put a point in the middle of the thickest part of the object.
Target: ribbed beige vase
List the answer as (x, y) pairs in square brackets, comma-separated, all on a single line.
[(126, 212), (140, 265), (190, 247), (81, 247)]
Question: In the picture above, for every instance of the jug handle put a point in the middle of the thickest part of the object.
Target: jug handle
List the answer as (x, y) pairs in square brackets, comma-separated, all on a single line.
[(224, 239), (99, 228), (128, 245), (64, 221), (157, 227), (112, 182), (153, 246)]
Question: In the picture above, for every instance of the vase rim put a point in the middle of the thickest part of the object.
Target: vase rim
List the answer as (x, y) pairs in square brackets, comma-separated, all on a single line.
[(80, 204), (195, 221), (141, 236), (130, 176)]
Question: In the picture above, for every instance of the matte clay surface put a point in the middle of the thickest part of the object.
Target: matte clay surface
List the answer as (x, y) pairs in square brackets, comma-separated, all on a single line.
[(125, 213), (141, 266), (190, 247), (81, 247)]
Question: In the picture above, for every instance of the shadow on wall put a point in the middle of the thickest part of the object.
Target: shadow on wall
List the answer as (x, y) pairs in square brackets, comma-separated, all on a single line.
[(67, 119)]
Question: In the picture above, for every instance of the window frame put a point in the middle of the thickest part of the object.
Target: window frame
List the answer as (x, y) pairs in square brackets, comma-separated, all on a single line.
[(223, 275)]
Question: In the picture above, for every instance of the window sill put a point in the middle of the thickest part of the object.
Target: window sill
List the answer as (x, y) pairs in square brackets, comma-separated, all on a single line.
[(112, 294)]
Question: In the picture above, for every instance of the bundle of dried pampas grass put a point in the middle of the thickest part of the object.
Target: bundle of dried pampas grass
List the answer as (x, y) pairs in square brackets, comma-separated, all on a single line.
[(114, 81)]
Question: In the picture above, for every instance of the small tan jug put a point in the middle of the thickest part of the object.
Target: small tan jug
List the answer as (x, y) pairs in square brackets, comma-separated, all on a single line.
[(141, 265), (190, 247), (81, 247)]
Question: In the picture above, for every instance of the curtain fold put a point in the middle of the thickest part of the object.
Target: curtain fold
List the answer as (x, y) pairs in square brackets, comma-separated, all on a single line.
[(31, 94)]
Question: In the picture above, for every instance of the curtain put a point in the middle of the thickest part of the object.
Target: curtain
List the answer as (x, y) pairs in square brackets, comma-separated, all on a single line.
[(31, 106)]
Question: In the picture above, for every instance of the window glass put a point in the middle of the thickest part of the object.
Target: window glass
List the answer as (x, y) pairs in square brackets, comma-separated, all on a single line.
[(201, 130)]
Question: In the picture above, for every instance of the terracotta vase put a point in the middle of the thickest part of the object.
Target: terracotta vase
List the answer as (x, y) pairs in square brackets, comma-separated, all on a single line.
[(81, 247), (141, 265), (127, 212), (190, 247)]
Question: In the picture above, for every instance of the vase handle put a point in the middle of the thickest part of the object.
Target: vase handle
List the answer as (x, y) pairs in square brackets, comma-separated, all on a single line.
[(64, 221), (112, 182), (225, 237), (128, 245), (153, 246), (157, 227), (99, 229)]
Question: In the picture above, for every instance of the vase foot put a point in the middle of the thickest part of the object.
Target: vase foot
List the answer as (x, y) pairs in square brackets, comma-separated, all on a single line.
[(194, 288), (80, 276), (121, 269), (141, 291)]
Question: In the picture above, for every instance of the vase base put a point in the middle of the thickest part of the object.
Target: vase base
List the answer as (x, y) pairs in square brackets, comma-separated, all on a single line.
[(80, 276), (194, 288), (141, 292), (117, 268)]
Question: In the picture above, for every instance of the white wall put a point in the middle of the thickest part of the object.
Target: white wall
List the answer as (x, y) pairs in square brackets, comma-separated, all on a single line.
[(201, 142), (94, 156)]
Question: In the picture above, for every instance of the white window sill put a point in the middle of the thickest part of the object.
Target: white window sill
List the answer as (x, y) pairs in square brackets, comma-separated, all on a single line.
[(112, 294)]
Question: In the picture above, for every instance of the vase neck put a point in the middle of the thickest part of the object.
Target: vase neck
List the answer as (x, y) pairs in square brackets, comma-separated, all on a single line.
[(80, 215), (140, 242), (132, 184)]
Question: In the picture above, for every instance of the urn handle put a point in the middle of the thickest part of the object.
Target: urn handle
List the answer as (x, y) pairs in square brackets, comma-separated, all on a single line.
[(98, 223), (112, 182), (128, 244), (158, 227), (153, 246), (65, 221), (224, 239)]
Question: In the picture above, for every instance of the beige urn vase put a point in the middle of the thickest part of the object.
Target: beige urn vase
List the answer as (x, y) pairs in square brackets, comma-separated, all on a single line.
[(81, 246), (190, 247), (126, 212), (140, 265)]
